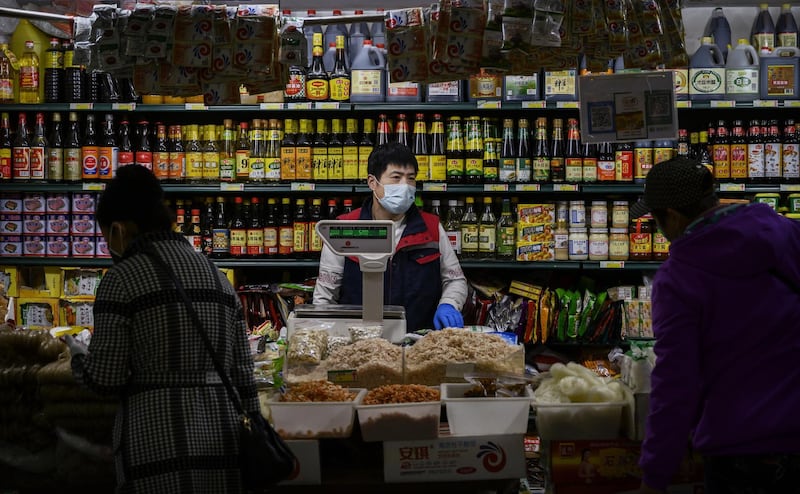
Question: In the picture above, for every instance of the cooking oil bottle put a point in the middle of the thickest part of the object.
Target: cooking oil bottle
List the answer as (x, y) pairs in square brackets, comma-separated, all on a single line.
[(29, 76)]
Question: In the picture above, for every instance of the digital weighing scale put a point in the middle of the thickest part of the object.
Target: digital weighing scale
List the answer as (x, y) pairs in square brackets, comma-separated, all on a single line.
[(372, 242)]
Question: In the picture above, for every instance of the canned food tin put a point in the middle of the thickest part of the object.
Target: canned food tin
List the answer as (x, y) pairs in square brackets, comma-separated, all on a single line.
[(10, 246), (34, 246), (58, 246), (58, 203), (83, 246)]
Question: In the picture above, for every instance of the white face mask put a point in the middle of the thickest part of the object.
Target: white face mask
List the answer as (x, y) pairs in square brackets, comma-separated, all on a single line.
[(397, 198)]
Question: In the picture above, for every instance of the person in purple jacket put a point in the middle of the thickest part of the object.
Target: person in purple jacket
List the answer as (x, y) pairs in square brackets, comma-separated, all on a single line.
[(726, 317)]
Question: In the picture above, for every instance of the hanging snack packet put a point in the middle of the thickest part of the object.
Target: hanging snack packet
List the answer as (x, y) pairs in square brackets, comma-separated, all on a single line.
[(407, 38), (193, 36), (159, 32), (135, 32), (616, 24), (547, 19), (463, 22), (256, 36)]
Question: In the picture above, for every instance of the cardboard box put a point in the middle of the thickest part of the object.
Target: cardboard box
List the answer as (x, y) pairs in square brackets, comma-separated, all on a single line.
[(80, 282), (536, 213), (10, 246), (613, 464), (307, 470), (534, 233), (57, 203), (37, 312), (11, 204), (8, 278), (39, 281), (76, 312), (535, 251), (454, 459)]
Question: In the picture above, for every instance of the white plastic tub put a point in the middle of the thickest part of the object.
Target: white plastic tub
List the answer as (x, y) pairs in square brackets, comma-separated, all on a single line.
[(485, 416), (314, 420), (400, 421), (568, 421)]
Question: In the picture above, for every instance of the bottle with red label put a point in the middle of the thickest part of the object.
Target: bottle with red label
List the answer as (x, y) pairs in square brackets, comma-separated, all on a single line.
[(193, 231), (161, 153), (574, 157), (177, 155), (755, 153), (605, 163), (21, 151), (791, 158), (623, 162), (722, 153), (5, 148), (109, 152), (125, 156), (38, 150), (144, 148), (738, 152), (255, 230), (55, 151), (90, 151), (285, 229)]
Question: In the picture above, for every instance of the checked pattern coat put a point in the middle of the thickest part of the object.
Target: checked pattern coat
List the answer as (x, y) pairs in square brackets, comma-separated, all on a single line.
[(176, 430)]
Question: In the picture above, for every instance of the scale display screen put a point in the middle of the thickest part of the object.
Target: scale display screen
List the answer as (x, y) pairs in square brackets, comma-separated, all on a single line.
[(357, 233)]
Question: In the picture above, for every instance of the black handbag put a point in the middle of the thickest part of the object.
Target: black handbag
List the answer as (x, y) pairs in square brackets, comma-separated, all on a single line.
[(264, 458)]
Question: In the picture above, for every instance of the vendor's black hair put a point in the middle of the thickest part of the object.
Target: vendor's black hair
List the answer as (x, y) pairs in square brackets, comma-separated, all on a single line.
[(392, 153), (134, 195)]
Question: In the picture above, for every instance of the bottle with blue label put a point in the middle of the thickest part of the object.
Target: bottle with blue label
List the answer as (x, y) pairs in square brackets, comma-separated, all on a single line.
[(742, 73), (707, 73), (719, 30)]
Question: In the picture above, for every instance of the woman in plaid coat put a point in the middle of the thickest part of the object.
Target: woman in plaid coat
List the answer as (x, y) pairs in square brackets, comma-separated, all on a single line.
[(176, 430)]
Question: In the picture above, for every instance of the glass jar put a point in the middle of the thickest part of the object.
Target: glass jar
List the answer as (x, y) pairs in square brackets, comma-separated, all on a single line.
[(562, 211), (578, 244), (660, 246), (618, 245), (599, 214), (598, 244), (620, 214), (561, 238), (577, 214), (640, 236)]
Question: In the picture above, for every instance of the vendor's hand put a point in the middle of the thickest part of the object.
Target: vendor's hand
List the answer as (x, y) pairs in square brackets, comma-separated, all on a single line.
[(75, 347), (447, 317)]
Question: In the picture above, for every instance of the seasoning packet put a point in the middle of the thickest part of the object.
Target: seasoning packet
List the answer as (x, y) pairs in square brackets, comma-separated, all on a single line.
[(407, 39), (461, 25), (193, 40), (547, 19), (256, 36), (496, 385)]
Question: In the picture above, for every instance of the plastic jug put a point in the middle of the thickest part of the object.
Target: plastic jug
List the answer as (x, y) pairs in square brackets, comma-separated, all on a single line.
[(780, 74), (368, 75), (329, 58), (707, 73), (762, 34), (359, 31), (786, 29), (27, 31), (337, 29), (742, 73), (378, 31), (719, 30)]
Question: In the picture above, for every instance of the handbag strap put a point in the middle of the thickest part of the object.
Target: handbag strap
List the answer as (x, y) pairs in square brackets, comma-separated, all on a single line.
[(232, 394)]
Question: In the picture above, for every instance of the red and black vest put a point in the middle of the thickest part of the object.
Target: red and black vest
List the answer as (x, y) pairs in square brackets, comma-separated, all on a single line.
[(413, 278)]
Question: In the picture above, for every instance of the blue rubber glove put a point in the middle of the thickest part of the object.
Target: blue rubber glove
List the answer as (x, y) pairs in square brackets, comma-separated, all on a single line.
[(447, 317)]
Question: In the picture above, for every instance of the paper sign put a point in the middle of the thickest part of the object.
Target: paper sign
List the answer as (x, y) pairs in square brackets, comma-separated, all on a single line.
[(495, 187), (302, 186), (434, 187), (528, 188), (626, 107), (229, 187)]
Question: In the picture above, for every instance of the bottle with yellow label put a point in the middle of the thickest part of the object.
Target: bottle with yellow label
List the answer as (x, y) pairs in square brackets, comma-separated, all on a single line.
[(437, 161), (256, 162), (340, 76), (272, 153), (243, 154), (455, 151), (350, 152), (319, 152), (302, 150), (210, 155), (271, 228), (288, 152), (317, 84), (365, 146), (238, 230), (285, 229), (421, 148), (227, 152), (194, 155), (335, 152), (315, 215), (300, 225)]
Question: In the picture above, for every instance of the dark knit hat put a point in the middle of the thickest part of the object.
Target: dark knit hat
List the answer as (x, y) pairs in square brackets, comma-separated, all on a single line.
[(674, 184)]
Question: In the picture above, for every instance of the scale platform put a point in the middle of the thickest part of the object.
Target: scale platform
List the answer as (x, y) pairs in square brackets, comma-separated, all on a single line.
[(336, 319)]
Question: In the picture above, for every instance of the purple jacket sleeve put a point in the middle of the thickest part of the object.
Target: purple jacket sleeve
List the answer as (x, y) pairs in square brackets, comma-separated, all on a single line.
[(675, 392)]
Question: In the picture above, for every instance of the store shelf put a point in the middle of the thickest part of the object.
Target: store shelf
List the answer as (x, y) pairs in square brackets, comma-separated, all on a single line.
[(266, 263), (612, 188), (56, 261), (621, 265), (738, 105), (496, 264), (44, 187), (295, 187)]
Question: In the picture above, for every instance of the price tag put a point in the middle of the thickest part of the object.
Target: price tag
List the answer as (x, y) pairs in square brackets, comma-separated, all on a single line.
[(567, 104), (94, 187), (765, 103), (299, 106), (343, 376), (488, 105), (565, 187), (196, 106), (612, 264), (271, 106), (327, 105), (683, 104), (124, 106), (81, 106), (231, 187), (723, 104), (731, 187), (434, 187), (792, 103), (528, 188), (534, 104), (495, 187), (302, 186), (790, 187)]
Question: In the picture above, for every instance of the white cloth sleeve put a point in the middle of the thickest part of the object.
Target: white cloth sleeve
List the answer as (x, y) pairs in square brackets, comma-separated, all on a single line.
[(454, 283)]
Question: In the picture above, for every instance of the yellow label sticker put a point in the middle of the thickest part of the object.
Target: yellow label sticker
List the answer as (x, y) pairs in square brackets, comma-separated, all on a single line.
[(302, 186)]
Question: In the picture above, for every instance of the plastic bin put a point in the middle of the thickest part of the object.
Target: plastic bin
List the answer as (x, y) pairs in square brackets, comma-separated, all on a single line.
[(568, 421), (314, 420), (485, 416), (400, 421)]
